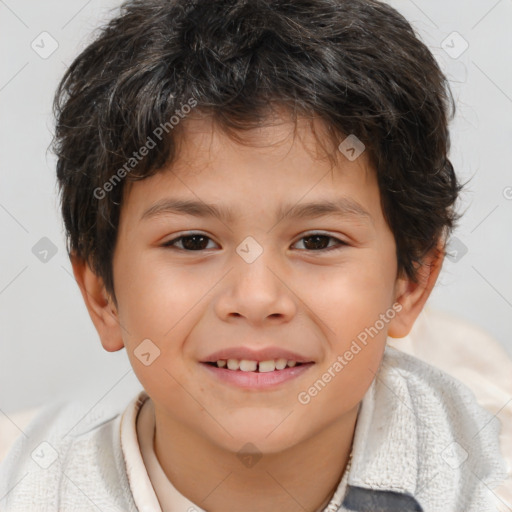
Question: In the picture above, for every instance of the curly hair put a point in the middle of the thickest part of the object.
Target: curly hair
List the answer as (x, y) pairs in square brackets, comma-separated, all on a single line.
[(356, 64)]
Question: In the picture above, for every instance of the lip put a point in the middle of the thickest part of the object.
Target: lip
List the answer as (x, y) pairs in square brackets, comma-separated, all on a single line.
[(255, 380), (264, 354)]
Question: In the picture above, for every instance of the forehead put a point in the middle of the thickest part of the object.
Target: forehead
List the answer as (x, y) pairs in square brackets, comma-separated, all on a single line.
[(275, 136), (281, 159)]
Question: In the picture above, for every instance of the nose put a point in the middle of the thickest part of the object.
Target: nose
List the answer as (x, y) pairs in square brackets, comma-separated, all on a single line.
[(257, 292)]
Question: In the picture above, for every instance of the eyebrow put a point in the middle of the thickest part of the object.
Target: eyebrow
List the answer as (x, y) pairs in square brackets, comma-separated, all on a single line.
[(342, 207)]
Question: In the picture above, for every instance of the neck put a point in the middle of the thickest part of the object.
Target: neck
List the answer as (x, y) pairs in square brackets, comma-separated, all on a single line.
[(300, 478)]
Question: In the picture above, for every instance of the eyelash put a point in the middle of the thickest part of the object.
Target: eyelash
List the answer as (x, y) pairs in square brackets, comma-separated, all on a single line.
[(172, 243)]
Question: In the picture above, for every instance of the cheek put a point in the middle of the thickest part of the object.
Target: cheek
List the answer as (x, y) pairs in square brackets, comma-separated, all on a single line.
[(356, 338), (352, 301), (156, 311), (351, 296), (157, 295), (159, 302)]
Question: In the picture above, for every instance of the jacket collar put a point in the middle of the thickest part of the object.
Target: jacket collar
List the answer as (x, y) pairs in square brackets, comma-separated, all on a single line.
[(420, 440), (369, 500), (383, 473)]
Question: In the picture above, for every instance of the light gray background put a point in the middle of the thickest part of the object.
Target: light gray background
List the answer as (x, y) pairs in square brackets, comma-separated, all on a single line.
[(49, 348)]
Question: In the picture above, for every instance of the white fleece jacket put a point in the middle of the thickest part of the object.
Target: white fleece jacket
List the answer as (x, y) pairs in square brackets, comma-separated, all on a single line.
[(422, 443)]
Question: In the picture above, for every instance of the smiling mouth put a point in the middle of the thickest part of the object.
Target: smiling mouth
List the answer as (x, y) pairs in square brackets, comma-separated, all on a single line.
[(246, 365)]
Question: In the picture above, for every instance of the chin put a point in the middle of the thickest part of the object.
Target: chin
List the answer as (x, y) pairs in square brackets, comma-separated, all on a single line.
[(259, 437)]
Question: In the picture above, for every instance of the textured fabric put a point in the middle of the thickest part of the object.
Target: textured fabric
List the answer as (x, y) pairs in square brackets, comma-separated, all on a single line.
[(419, 433), (63, 467), (472, 356)]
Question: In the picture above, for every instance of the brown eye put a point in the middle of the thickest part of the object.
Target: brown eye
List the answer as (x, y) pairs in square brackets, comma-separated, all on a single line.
[(196, 242), (320, 242)]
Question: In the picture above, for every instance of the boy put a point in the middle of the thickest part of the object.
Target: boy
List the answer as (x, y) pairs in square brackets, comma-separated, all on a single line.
[(256, 194)]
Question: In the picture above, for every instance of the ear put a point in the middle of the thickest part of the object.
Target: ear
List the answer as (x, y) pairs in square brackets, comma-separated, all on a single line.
[(412, 296), (101, 309)]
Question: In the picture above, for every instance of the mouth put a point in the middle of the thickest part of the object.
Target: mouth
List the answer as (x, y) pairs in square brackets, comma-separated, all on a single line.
[(248, 365), (256, 375)]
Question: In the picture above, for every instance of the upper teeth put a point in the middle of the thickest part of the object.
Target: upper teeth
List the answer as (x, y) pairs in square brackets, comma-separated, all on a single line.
[(247, 365)]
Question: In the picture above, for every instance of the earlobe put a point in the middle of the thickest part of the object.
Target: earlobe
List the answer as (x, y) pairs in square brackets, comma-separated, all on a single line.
[(101, 309), (412, 296)]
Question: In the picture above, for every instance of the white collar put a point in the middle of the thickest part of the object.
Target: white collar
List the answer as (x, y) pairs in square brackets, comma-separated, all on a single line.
[(152, 491)]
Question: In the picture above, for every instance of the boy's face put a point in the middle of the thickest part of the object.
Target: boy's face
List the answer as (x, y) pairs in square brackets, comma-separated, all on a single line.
[(298, 295)]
